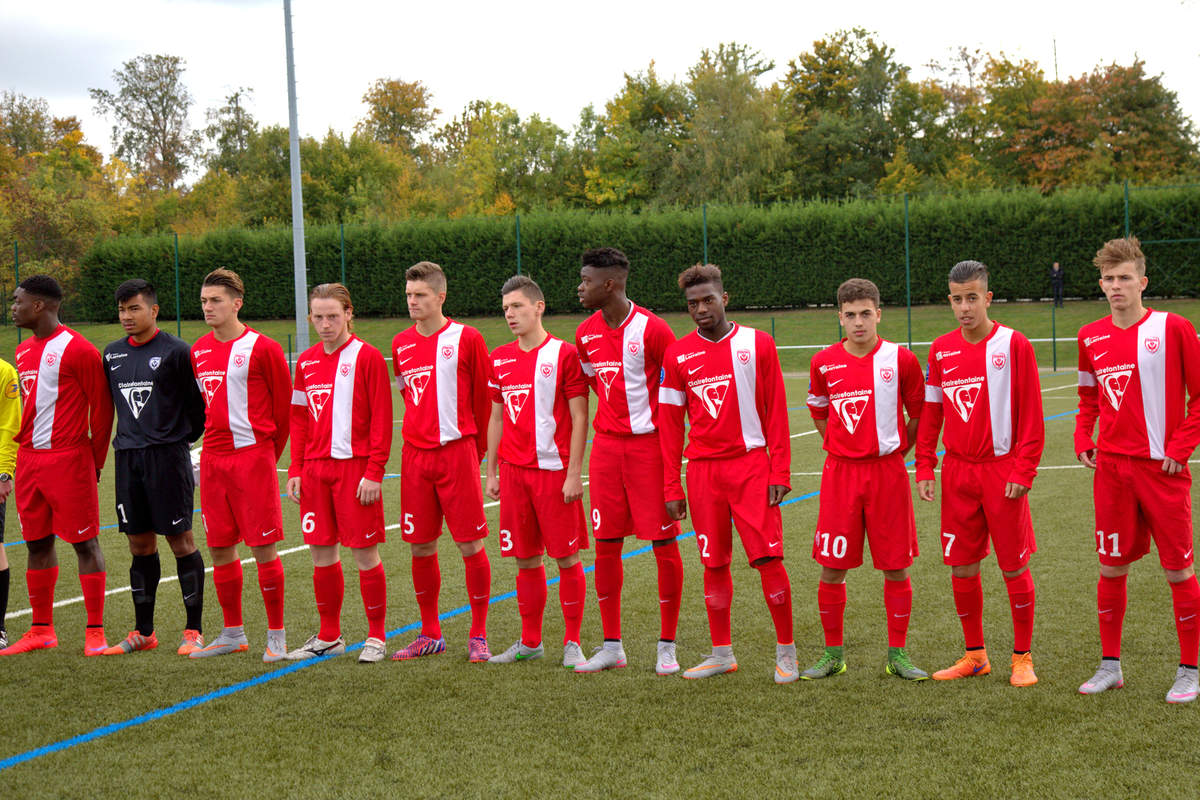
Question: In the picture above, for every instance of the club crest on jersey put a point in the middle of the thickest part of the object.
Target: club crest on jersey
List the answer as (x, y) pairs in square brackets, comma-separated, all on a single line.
[(417, 382), (1152, 343), (27, 382), (137, 397), (448, 352), (999, 360), (962, 398), (344, 369), (514, 401), (317, 398), (1114, 385), (51, 358), (850, 410), (209, 386), (154, 362), (887, 373), (546, 369), (712, 396), (633, 348), (606, 376), (743, 356), (239, 360)]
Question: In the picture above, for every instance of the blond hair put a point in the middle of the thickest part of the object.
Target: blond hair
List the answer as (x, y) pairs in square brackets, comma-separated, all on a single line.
[(334, 291), (1120, 251)]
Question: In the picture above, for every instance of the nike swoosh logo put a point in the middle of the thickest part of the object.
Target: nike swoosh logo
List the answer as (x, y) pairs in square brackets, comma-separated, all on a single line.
[(773, 544), (481, 527), (504, 375), (1099, 356), (187, 597), (372, 608), (1023, 552), (1185, 619), (570, 602), (670, 525), (1188, 554), (948, 370), (694, 371), (899, 616), (371, 534), (661, 602), (405, 361), (269, 588), (962, 615), (82, 530), (114, 369), (601, 599), (835, 383), (268, 533), (1106, 611), (1024, 605), (177, 521), (480, 596), (572, 542)]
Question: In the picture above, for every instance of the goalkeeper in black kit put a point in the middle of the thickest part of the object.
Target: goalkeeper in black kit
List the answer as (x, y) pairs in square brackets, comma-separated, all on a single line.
[(159, 412)]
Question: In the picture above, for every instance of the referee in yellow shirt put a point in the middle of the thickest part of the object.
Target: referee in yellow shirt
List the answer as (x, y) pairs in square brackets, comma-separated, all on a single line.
[(10, 423)]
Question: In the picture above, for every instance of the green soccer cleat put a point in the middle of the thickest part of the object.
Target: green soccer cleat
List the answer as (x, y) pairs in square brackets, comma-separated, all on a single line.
[(901, 666), (830, 664)]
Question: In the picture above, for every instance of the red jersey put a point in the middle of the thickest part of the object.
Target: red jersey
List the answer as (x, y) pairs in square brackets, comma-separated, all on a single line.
[(534, 387), (342, 407), (624, 366), (990, 397), (65, 394), (247, 391), (1135, 380), (868, 396), (443, 378), (733, 393)]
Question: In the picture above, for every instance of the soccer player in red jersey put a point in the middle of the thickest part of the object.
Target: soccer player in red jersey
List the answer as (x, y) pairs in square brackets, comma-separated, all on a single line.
[(982, 382), (1139, 374), (622, 347), (869, 384), (341, 433), (441, 367), (62, 444), (727, 378), (536, 438), (247, 393)]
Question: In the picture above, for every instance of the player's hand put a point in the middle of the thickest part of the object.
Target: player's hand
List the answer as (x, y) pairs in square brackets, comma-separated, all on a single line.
[(1088, 458), (293, 489), (6, 488), (676, 509), (572, 488), (775, 493), (1170, 466), (925, 490), (97, 474), (1014, 491), (492, 489), (369, 492)]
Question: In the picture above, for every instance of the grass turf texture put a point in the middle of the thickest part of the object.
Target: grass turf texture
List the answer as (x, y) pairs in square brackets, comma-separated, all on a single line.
[(441, 727)]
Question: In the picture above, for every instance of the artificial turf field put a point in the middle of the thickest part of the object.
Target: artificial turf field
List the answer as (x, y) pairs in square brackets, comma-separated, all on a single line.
[(156, 724)]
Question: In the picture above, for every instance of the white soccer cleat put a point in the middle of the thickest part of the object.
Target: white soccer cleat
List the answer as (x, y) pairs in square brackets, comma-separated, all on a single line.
[(372, 651), (666, 663), (719, 661), (1186, 686), (1108, 676), (610, 655), (518, 652), (315, 648), (786, 668), (572, 655), (276, 649)]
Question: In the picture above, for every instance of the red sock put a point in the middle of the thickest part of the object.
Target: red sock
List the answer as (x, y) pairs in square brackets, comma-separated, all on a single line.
[(718, 597), (93, 597), (227, 578), (831, 602), (610, 575), (777, 589), (1022, 601), (572, 591), (1110, 607), (670, 588), (1186, 598), (40, 583), (270, 583), (531, 603), (479, 590), (897, 603), (329, 586), (372, 585), (427, 582), (968, 601)]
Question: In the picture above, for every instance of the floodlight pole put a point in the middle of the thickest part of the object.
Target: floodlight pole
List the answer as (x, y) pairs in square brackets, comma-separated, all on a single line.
[(301, 270)]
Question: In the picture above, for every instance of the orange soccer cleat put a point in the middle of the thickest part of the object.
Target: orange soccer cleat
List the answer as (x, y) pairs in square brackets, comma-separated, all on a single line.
[(133, 642), (1022, 670), (94, 642), (972, 664), (39, 637)]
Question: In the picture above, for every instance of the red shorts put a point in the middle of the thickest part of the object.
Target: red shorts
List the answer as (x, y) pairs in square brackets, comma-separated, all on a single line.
[(865, 494), (533, 516), (721, 489), (1136, 502), (441, 483), (626, 488), (974, 506), (329, 509), (239, 497), (56, 494)]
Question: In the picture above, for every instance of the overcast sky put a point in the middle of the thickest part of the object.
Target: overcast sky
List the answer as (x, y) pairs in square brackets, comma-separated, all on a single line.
[(548, 58)]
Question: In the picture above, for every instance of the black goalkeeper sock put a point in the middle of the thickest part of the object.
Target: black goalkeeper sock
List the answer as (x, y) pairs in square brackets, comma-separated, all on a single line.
[(144, 574), (191, 584)]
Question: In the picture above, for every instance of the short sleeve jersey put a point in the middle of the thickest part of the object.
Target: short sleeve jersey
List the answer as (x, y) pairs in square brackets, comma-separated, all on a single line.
[(534, 388)]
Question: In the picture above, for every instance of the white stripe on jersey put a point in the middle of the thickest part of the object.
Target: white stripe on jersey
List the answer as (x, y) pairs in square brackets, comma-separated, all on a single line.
[(237, 390), (1087, 379), (817, 401), (544, 391), (933, 394), (447, 382), (47, 390), (999, 384), (745, 376), (887, 397), (341, 444), (1152, 372), (637, 393), (672, 397)]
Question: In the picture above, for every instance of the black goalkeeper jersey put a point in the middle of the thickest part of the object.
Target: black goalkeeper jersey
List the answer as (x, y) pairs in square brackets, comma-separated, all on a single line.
[(154, 391)]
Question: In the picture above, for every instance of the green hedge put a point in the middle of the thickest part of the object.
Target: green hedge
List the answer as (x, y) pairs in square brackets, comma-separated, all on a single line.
[(773, 257)]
